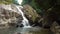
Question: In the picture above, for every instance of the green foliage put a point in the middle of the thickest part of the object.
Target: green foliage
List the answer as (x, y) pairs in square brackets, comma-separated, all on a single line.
[(6, 1)]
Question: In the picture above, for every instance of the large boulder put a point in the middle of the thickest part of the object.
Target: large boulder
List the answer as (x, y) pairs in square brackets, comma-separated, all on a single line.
[(31, 14), (9, 16)]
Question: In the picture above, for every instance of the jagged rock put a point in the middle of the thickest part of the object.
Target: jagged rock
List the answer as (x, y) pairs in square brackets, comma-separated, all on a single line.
[(9, 16), (55, 28)]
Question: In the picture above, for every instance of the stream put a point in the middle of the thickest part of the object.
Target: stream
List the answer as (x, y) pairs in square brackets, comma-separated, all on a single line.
[(33, 30), (27, 29)]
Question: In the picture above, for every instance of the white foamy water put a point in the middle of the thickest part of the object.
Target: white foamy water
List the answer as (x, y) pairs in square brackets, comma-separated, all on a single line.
[(19, 1), (25, 21)]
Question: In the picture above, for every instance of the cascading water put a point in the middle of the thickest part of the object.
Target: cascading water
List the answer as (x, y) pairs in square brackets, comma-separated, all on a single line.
[(25, 21)]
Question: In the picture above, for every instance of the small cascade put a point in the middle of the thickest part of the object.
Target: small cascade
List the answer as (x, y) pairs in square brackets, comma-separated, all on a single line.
[(25, 21)]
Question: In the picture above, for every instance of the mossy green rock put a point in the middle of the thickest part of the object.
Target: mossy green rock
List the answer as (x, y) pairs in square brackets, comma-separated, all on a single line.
[(31, 13)]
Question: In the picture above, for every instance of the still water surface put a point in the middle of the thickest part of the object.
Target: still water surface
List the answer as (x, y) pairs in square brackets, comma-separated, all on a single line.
[(33, 30)]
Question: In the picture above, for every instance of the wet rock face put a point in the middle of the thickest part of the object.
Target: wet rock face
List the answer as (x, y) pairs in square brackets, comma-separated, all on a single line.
[(9, 17)]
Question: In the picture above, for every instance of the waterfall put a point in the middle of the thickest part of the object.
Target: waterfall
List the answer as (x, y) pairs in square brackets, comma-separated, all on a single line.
[(25, 21)]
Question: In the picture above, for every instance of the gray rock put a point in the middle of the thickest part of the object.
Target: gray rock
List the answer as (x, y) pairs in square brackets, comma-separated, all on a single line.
[(9, 16)]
